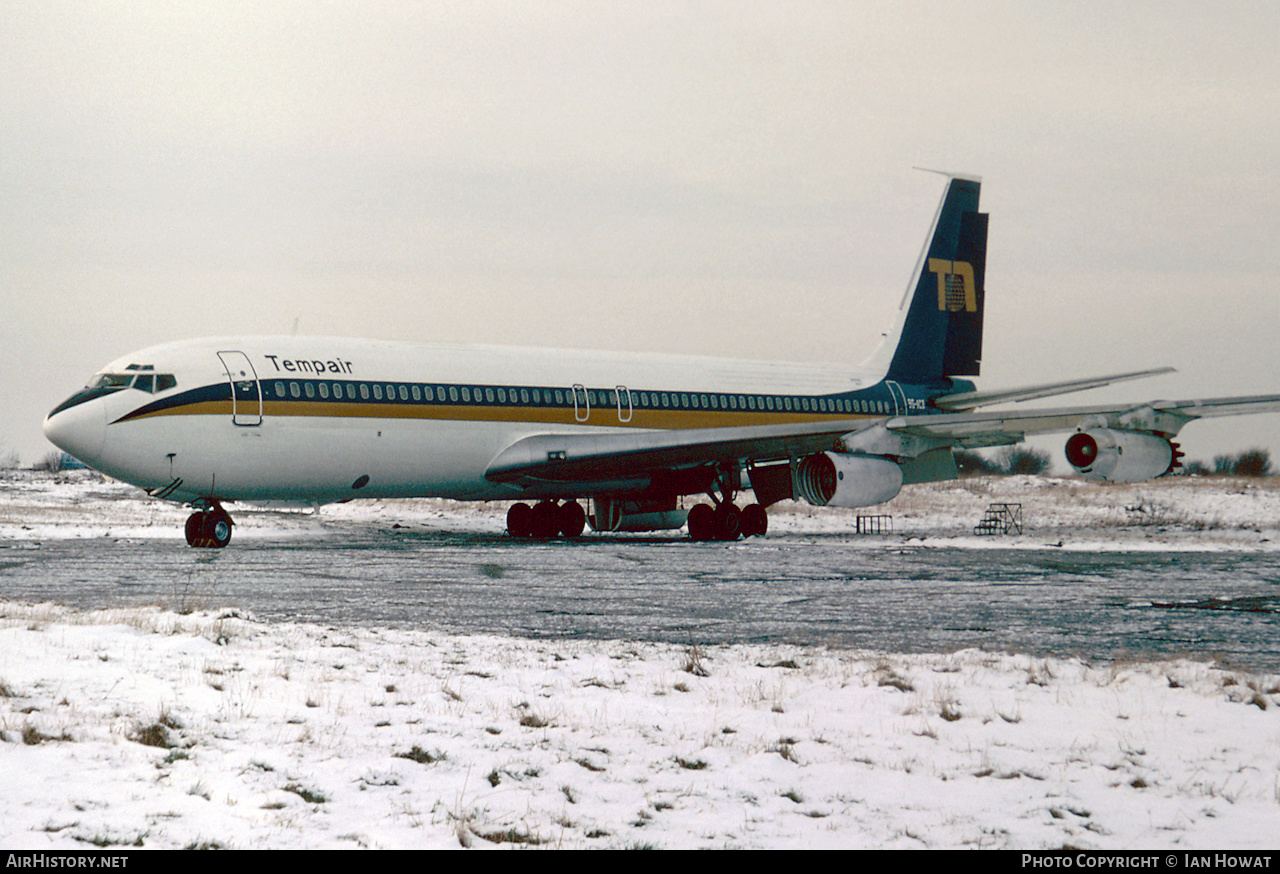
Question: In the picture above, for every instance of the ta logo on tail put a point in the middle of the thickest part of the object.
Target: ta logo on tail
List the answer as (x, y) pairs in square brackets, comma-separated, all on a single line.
[(956, 287)]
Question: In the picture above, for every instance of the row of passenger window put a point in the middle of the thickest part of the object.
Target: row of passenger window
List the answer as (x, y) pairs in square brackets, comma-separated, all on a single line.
[(579, 397), (784, 403)]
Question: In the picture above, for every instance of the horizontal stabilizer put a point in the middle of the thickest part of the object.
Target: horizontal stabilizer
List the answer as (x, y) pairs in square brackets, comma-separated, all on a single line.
[(971, 399), (999, 427)]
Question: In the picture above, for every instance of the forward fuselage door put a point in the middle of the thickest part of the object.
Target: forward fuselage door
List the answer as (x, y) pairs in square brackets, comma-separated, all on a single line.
[(246, 396)]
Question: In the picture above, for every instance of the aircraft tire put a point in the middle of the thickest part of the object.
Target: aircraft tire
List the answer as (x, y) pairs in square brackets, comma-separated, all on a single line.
[(208, 530), (218, 529), (520, 520), (572, 519), (728, 520), (755, 521), (702, 523), (194, 529), (544, 521)]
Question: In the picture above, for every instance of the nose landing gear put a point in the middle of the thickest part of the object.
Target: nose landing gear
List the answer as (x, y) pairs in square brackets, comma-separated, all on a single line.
[(209, 529)]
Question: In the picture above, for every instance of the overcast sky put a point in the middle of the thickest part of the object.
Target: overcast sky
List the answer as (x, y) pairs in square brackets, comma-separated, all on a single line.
[(722, 178)]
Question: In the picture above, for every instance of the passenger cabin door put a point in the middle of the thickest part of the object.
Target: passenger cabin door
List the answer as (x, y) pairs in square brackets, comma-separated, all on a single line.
[(246, 396), (581, 403), (899, 397), (624, 403)]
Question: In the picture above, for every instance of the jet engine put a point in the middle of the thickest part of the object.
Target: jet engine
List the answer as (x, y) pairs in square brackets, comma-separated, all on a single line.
[(1108, 455), (838, 479)]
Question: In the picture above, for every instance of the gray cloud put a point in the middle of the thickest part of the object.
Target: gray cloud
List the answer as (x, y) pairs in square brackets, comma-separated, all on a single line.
[(722, 178)]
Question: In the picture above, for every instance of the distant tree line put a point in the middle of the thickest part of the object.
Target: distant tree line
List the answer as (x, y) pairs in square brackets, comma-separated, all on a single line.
[(53, 461), (1009, 461), (1251, 462), (1021, 460)]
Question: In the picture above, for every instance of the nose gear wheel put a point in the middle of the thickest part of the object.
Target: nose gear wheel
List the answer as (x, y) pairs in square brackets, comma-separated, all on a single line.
[(209, 529)]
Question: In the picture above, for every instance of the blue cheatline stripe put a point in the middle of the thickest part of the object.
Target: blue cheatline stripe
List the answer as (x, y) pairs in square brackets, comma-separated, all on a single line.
[(84, 395), (363, 398), (217, 393)]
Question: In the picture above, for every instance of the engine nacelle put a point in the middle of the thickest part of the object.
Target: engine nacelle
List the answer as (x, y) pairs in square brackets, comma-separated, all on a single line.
[(838, 479), (1107, 455)]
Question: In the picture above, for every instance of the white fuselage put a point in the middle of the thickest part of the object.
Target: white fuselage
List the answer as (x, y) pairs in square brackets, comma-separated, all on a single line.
[(321, 420)]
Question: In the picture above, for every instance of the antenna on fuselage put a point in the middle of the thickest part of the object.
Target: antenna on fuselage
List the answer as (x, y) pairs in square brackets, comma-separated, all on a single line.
[(295, 325)]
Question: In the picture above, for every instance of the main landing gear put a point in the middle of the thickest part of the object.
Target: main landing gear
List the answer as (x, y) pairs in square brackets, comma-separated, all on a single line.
[(725, 521), (546, 519), (209, 528), (722, 520)]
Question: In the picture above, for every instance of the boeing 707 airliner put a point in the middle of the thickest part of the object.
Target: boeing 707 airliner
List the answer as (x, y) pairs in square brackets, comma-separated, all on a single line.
[(211, 422)]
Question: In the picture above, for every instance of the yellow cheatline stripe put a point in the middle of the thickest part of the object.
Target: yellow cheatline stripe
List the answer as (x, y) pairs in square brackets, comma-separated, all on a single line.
[(198, 408), (664, 420)]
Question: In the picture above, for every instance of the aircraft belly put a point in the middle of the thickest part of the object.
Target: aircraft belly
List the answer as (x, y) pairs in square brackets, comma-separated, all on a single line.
[(312, 459)]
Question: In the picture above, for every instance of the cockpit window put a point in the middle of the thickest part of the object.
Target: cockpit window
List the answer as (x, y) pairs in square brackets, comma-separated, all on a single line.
[(147, 382), (112, 380)]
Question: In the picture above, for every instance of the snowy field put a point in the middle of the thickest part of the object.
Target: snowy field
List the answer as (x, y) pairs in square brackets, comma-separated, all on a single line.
[(142, 727), (1181, 513), (147, 728)]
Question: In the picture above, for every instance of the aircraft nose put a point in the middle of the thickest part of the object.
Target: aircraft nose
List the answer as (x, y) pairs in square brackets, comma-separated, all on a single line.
[(80, 431)]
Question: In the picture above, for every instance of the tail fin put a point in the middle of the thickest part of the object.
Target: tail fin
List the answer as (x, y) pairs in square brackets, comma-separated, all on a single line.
[(941, 326)]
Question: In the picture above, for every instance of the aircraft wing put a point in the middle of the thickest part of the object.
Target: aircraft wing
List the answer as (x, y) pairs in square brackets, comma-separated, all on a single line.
[(971, 399), (618, 456), (996, 427), (628, 458)]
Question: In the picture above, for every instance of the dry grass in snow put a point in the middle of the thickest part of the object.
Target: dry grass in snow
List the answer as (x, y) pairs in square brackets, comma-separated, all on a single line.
[(140, 727)]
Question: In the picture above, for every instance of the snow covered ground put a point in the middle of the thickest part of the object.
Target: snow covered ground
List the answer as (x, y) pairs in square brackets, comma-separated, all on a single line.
[(1179, 513), (138, 726), (143, 727)]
